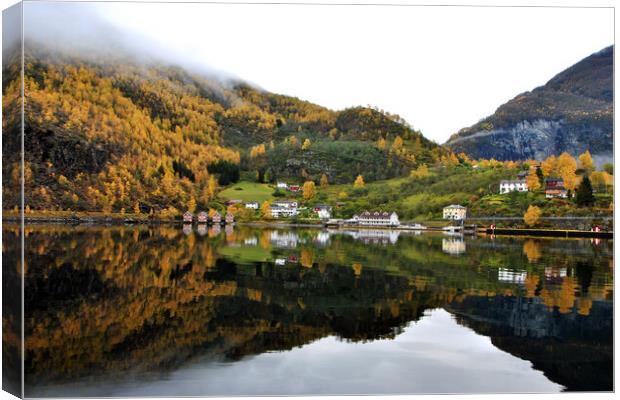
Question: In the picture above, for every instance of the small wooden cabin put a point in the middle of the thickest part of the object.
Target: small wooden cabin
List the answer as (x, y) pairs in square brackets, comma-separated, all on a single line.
[(230, 219), (216, 218), (203, 217)]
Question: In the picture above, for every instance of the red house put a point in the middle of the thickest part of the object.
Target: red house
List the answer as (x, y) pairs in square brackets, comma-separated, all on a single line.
[(216, 219), (230, 219), (203, 217)]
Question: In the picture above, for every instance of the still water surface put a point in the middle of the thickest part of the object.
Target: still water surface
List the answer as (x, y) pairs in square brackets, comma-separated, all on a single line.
[(139, 311)]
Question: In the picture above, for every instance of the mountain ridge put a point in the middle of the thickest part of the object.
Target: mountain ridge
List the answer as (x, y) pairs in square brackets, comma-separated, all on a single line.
[(109, 135), (572, 112)]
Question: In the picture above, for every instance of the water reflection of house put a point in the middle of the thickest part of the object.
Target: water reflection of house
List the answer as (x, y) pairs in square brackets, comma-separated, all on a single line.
[(511, 276), (374, 236), (555, 274), (187, 229), (228, 229), (215, 230), (292, 259), (201, 229), (322, 238), (453, 245), (284, 239)]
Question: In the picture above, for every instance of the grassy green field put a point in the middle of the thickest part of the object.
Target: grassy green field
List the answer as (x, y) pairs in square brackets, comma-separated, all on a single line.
[(247, 191)]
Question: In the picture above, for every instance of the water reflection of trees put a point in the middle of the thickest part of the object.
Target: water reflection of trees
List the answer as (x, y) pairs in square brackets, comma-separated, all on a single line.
[(111, 299)]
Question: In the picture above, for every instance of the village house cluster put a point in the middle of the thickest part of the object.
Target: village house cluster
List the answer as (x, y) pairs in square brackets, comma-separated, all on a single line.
[(290, 188), (204, 218), (554, 187)]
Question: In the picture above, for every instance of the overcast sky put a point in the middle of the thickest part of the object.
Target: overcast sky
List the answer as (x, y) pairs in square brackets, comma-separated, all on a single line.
[(441, 68)]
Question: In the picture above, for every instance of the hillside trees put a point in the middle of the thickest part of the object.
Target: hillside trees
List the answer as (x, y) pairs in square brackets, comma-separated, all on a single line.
[(585, 162), (309, 190), (532, 215), (359, 182), (132, 139), (532, 181)]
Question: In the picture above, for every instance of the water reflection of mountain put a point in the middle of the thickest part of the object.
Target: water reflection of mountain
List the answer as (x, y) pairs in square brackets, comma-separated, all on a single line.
[(101, 301), (571, 349)]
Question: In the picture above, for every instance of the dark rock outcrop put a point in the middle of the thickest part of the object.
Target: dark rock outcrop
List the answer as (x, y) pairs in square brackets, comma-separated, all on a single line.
[(573, 112)]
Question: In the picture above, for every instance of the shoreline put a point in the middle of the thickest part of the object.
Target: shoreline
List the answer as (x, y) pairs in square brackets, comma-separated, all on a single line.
[(108, 221)]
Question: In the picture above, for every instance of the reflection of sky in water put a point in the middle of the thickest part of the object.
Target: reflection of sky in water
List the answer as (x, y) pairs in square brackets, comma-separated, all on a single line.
[(435, 355)]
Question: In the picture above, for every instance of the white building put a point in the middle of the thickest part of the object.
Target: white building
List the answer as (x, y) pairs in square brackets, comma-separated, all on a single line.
[(252, 204), (377, 218), (282, 185), (455, 212), (454, 246), (323, 211), (508, 275), (284, 239), (284, 209), (518, 185)]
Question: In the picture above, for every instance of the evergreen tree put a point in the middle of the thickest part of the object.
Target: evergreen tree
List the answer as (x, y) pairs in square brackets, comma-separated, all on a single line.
[(541, 176), (584, 196)]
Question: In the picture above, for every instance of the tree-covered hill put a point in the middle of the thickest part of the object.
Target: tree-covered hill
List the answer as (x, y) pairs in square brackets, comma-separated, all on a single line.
[(112, 134)]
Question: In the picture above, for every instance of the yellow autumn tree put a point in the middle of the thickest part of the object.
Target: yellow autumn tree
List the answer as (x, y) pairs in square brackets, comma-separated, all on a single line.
[(381, 143), (532, 181), (420, 172), (359, 182), (599, 180), (265, 209), (342, 195), (532, 216), (136, 208), (397, 144), (586, 162), (306, 144), (549, 166), (566, 167), (309, 190), (191, 205), (324, 182)]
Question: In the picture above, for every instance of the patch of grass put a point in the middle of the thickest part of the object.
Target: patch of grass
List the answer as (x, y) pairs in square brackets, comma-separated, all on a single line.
[(248, 191)]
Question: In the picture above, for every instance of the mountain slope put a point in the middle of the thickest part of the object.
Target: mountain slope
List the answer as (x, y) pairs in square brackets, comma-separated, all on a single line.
[(113, 134), (572, 112)]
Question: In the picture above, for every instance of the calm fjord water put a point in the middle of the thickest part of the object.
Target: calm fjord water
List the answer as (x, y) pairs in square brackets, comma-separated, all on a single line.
[(142, 311)]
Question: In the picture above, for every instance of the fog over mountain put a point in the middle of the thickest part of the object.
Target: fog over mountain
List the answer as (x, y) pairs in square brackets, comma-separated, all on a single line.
[(79, 29)]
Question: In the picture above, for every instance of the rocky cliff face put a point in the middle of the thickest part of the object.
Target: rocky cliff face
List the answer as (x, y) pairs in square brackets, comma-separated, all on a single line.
[(573, 112)]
